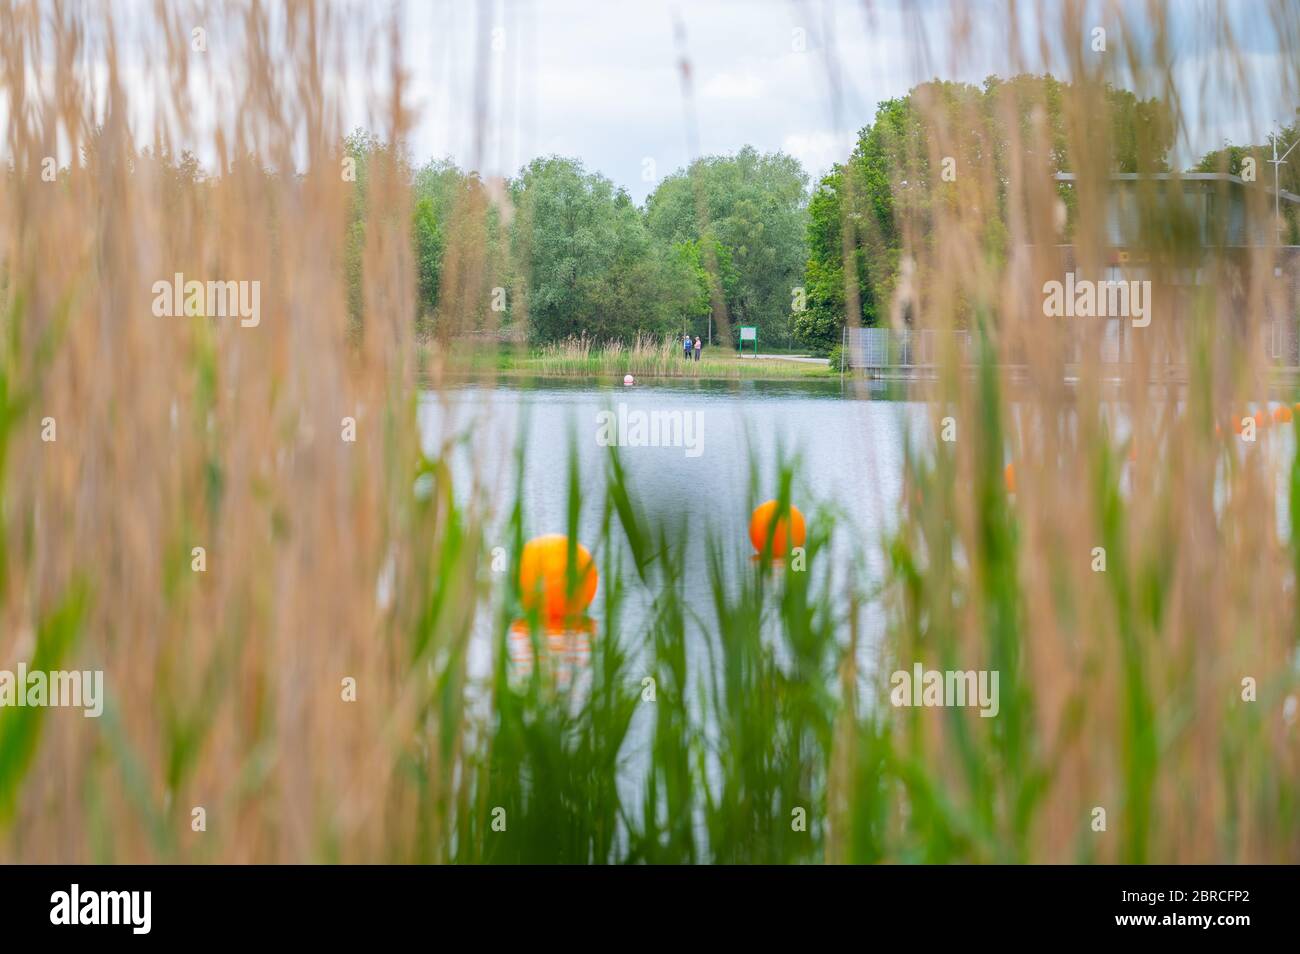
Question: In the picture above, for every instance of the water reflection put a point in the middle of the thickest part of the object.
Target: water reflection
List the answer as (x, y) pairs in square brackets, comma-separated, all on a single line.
[(560, 655)]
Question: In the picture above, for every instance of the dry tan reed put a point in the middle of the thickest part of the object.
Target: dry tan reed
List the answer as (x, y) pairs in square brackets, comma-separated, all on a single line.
[(1122, 689)]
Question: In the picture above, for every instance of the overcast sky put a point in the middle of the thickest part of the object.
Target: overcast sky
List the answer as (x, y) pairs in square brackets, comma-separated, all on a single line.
[(599, 79), (495, 83)]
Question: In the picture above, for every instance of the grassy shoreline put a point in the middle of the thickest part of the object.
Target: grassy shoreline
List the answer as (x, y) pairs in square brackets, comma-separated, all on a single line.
[(582, 358)]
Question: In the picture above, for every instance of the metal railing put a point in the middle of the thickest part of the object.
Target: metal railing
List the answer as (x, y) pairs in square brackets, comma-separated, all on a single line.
[(882, 348), (908, 350)]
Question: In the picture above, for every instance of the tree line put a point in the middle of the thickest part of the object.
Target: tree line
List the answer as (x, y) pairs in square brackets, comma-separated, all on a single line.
[(559, 251)]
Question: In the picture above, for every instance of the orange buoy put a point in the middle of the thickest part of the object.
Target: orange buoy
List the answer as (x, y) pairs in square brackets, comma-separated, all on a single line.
[(1282, 414), (1009, 476), (543, 577), (1261, 420), (783, 538)]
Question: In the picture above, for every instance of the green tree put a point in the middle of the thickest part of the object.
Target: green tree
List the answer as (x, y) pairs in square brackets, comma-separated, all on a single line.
[(817, 326), (587, 263), (1231, 159), (887, 180), (749, 210), (366, 152), (462, 258), (428, 242), (689, 281)]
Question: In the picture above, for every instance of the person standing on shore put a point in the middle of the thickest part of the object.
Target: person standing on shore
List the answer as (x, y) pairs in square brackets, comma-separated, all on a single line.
[(698, 347), (686, 346)]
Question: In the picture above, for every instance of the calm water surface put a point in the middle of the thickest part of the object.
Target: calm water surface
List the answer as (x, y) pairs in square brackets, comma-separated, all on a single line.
[(850, 451), (850, 447)]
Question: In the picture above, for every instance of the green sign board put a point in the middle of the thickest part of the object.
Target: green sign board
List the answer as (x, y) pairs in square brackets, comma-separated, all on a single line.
[(748, 333)]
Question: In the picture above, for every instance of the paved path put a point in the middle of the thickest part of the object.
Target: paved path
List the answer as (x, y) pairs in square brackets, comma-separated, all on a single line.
[(801, 358)]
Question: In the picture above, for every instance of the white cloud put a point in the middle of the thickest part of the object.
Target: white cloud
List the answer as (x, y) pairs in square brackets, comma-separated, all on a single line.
[(818, 150), (600, 80), (727, 86)]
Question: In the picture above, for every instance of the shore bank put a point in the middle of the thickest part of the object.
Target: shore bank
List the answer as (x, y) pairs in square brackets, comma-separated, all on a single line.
[(574, 360)]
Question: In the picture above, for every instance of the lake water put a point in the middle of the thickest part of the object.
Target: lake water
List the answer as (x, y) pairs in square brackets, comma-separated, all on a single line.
[(851, 451), (850, 446), (850, 443)]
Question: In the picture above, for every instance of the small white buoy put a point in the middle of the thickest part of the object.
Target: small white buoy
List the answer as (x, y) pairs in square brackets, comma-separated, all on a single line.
[(628, 381)]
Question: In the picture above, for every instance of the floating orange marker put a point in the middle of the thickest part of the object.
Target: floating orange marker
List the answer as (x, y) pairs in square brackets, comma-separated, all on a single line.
[(543, 577), (1261, 420), (783, 538), (1009, 477), (1282, 414)]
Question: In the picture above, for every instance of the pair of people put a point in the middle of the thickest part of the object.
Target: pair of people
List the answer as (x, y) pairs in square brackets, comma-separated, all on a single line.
[(687, 348)]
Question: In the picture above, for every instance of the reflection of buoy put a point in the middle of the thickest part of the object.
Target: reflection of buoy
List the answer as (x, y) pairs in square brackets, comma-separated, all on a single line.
[(628, 380), (784, 538), (1282, 414), (565, 651), (555, 635), (1009, 477), (543, 577)]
